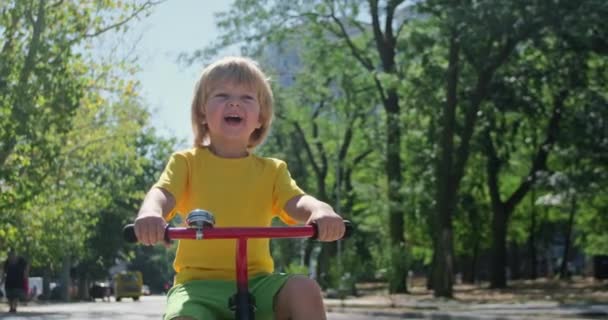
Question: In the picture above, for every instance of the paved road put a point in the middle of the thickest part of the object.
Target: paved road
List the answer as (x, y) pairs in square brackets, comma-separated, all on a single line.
[(149, 307)]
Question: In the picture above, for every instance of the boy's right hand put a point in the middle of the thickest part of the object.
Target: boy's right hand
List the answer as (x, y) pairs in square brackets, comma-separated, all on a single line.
[(150, 228)]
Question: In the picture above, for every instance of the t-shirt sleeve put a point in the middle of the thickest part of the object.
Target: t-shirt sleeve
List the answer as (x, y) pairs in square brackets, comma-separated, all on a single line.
[(285, 188), (174, 179)]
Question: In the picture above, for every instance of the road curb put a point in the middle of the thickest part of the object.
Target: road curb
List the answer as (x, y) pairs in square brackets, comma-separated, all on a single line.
[(458, 312), (412, 314)]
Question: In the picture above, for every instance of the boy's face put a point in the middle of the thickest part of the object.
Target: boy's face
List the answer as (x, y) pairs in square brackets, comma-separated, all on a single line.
[(232, 112)]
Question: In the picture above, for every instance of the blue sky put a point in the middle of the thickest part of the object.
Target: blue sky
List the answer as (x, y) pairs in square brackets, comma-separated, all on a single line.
[(174, 27)]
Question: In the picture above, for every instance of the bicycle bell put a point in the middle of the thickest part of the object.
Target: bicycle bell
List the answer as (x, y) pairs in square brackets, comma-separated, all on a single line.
[(199, 218)]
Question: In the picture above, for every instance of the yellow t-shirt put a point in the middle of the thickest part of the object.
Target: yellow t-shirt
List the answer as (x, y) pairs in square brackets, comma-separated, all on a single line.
[(243, 192)]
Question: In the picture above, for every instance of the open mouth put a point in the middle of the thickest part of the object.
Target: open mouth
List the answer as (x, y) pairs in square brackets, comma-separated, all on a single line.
[(233, 119)]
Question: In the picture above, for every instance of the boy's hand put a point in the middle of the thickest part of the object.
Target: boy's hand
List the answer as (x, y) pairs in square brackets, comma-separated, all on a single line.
[(330, 226), (150, 228)]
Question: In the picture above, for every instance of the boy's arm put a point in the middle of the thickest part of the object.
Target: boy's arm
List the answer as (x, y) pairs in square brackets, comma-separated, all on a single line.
[(150, 222), (305, 208)]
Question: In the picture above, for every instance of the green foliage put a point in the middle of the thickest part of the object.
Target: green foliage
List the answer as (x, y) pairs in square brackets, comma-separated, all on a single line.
[(155, 264), (295, 268), (591, 225), (77, 152), (74, 135), (513, 60)]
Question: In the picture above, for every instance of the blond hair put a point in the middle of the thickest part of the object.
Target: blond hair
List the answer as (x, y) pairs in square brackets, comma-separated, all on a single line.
[(239, 71)]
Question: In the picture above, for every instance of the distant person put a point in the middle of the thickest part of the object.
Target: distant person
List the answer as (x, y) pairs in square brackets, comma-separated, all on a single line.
[(14, 276), (34, 293), (231, 115)]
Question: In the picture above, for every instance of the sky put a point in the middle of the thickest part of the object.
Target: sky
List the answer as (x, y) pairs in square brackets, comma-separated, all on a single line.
[(174, 27)]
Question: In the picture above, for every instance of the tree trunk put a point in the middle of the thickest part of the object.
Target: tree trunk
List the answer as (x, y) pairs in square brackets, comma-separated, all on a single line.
[(443, 269), (83, 287), (447, 185), (474, 261), (502, 210), (498, 277), (386, 45), (476, 249), (46, 284), (563, 270), (308, 245), (328, 252), (386, 41), (398, 278), (532, 239), (429, 274), (515, 261), (65, 278)]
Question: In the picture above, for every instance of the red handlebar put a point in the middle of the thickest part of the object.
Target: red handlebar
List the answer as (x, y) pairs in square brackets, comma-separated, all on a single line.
[(174, 233)]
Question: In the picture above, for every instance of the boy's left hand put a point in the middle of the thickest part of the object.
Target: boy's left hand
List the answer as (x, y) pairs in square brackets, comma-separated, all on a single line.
[(330, 226)]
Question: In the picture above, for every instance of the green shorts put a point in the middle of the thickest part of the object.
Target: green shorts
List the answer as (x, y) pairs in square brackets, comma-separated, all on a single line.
[(208, 299)]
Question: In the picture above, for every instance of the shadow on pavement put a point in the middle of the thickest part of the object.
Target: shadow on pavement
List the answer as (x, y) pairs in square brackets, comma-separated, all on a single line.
[(34, 315)]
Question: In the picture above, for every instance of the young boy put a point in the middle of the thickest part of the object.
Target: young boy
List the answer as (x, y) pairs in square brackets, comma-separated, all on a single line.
[(231, 115)]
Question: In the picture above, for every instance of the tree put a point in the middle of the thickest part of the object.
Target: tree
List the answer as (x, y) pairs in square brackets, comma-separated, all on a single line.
[(480, 39), (544, 93), (324, 138), (43, 76), (446, 65), (373, 47), (58, 122)]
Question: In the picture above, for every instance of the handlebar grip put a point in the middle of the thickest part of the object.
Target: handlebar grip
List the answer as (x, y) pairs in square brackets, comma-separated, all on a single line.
[(128, 233), (350, 228)]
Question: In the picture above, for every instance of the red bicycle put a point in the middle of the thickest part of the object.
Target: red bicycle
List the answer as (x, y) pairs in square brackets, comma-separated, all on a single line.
[(201, 226)]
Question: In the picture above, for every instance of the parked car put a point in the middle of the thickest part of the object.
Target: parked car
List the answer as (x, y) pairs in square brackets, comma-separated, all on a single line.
[(58, 290), (128, 284), (100, 290), (145, 290)]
